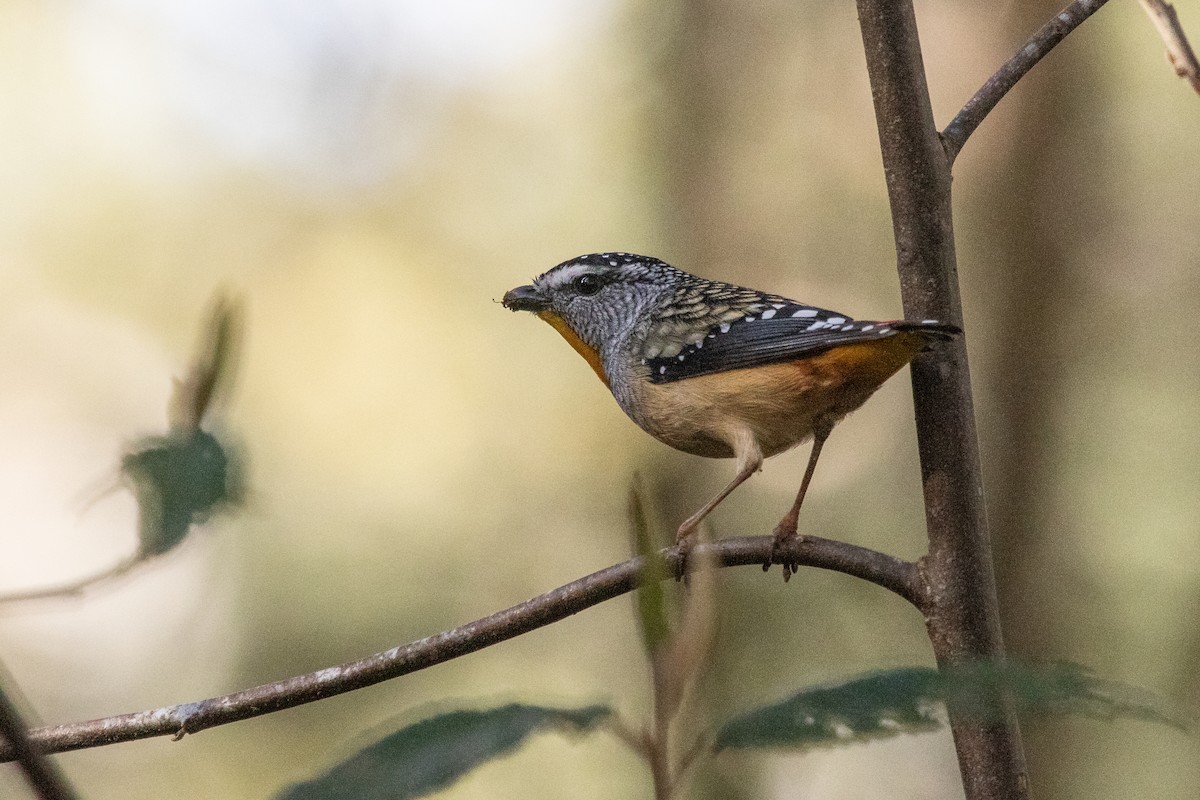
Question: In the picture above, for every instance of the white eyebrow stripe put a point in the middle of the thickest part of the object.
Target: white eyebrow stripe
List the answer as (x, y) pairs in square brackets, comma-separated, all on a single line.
[(563, 276)]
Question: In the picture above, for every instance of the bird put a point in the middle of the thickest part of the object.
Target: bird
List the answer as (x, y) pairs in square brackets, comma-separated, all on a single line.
[(719, 370)]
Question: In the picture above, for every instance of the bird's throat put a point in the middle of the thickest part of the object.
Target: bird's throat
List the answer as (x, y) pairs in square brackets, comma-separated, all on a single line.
[(589, 353)]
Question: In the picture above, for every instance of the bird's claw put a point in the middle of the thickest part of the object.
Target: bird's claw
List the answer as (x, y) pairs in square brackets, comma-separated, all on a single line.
[(789, 565)]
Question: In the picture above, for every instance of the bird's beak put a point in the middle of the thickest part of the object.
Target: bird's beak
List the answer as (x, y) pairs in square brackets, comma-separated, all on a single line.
[(526, 298)]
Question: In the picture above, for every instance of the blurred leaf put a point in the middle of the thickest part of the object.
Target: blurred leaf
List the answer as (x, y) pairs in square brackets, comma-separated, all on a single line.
[(911, 700), (1050, 689), (212, 366), (651, 598), (179, 480), (182, 478), (435, 752), (683, 657)]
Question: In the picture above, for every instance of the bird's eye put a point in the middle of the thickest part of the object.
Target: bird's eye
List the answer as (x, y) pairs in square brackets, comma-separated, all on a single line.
[(587, 283)]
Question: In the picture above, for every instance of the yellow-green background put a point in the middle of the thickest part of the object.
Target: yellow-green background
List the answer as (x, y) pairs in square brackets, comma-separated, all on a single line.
[(371, 178)]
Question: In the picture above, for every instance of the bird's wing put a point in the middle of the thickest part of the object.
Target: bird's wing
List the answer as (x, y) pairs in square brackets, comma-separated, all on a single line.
[(772, 332)]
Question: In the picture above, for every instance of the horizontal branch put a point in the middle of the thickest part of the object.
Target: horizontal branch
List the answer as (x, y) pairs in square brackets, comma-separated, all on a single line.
[(1179, 49), (981, 104), (887, 571)]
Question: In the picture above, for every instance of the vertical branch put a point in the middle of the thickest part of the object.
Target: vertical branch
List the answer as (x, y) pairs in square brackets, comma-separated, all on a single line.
[(960, 603), (43, 775)]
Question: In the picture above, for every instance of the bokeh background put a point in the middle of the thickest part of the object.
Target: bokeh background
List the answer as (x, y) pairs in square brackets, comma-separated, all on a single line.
[(371, 176)]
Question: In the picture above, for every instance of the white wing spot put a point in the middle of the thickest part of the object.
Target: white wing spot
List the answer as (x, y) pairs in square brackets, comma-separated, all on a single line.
[(836, 320), (700, 343), (724, 327), (680, 356), (661, 370), (805, 312), (929, 322), (867, 328), (884, 330), (815, 326), (847, 327), (749, 319), (770, 312), (612, 263)]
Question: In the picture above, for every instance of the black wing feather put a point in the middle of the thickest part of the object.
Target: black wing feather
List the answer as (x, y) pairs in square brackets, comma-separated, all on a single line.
[(785, 334)]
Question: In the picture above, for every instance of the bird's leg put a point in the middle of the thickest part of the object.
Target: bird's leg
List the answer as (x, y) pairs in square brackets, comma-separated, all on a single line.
[(786, 529), (749, 460)]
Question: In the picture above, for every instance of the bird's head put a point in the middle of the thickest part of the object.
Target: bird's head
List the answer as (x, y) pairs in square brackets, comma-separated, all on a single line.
[(597, 301)]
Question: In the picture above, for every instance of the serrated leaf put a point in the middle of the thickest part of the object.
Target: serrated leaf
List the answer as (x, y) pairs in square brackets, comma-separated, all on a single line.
[(651, 598), (433, 753), (913, 699)]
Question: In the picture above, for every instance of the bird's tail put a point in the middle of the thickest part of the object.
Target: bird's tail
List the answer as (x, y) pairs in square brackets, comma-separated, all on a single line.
[(935, 329)]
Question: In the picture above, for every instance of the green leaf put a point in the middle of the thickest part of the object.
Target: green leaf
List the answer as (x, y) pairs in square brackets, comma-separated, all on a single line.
[(179, 480), (433, 753), (651, 598), (870, 707), (970, 689), (212, 365), (913, 699)]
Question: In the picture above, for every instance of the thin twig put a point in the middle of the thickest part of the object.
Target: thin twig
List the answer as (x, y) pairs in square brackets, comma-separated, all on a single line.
[(887, 571), (1179, 49), (972, 114), (43, 775), (72, 588)]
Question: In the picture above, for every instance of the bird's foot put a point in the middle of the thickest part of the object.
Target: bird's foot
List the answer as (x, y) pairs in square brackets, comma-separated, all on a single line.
[(785, 535), (685, 540)]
